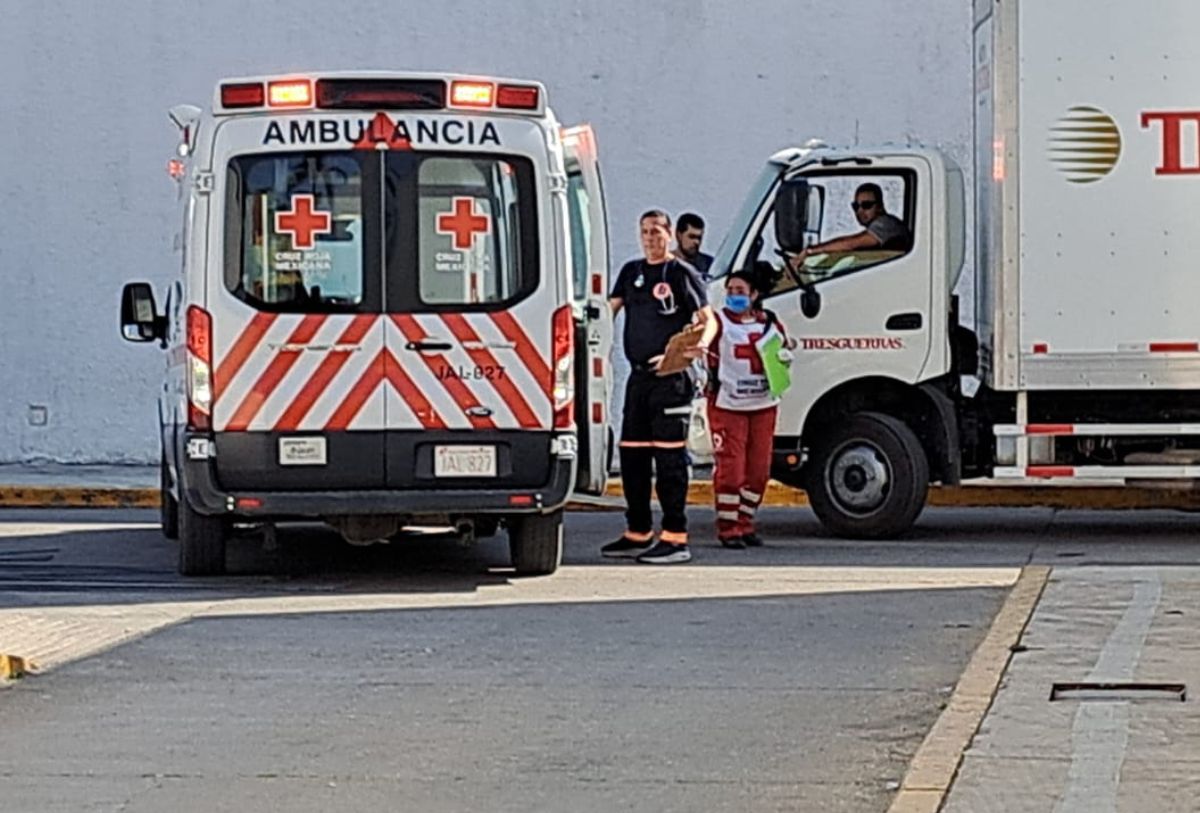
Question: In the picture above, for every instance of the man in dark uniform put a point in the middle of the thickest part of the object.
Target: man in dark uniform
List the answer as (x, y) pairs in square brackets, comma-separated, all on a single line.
[(689, 236), (661, 295)]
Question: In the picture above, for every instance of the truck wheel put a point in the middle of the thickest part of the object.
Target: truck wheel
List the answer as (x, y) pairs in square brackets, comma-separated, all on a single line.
[(168, 508), (869, 478), (535, 542), (201, 542)]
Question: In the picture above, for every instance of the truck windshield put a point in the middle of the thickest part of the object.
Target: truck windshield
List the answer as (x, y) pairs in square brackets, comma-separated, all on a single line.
[(763, 187)]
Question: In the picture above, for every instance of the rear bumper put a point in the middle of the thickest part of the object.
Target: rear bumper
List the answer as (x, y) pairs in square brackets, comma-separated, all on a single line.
[(206, 495)]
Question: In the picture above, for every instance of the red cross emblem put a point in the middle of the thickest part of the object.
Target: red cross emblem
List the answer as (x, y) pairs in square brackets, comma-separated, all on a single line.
[(464, 223), (302, 222), (750, 353)]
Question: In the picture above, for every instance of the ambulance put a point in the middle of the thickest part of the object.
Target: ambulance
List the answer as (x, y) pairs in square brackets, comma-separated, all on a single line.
[(390, 312)]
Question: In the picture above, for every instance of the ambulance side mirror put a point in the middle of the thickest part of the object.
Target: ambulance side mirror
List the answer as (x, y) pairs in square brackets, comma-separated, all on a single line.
[(791, 215), (140, 321)]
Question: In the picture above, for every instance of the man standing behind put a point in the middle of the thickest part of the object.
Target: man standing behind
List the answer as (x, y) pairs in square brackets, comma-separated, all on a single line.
[(661, 295), (689, 235)]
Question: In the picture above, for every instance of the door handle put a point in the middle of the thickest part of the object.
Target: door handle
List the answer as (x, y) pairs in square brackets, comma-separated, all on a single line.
[(424, 346), (904, 321)]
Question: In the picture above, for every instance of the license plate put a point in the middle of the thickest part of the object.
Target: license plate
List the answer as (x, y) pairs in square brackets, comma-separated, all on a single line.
[(302, 452), (464, 461)]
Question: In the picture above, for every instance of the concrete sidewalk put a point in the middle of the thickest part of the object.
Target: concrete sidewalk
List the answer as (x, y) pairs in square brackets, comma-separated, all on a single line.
[(106, 486), (1134, 749)]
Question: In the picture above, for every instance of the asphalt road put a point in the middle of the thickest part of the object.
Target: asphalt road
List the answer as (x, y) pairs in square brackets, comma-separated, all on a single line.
[(421, 676)]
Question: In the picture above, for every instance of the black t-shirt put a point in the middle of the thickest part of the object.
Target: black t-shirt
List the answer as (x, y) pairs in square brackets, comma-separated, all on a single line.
[(660, 300)]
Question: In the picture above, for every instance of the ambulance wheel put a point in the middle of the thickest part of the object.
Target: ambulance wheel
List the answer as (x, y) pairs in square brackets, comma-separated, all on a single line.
[(168, 508), (535, 542), (201, 542), (870, 478)]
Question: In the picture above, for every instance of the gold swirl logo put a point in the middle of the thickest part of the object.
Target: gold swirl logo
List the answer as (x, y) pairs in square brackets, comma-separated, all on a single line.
[(1085, 144)]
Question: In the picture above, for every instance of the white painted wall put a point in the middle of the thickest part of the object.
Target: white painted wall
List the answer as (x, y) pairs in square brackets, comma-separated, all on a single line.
[(687, 98)]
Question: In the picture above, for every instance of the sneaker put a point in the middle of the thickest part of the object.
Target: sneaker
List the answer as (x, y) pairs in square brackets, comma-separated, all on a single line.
[(664, 553), (625, 548), (733, 543), (752, 540)]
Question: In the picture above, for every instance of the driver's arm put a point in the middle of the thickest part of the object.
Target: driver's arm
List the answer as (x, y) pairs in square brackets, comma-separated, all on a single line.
[(863, 241)]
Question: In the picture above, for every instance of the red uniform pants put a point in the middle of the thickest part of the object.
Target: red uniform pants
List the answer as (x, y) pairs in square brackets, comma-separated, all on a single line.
[(742, 445)]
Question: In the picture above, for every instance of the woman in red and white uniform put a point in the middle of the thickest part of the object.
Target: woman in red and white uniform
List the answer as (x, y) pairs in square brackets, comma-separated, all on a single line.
[(741, 409)]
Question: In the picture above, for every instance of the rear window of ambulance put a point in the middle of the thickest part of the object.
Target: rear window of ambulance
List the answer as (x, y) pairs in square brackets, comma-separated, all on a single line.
[(295, 231), (461, 231)]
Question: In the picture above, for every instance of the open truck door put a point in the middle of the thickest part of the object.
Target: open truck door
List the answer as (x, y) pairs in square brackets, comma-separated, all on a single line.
[(593, 320)]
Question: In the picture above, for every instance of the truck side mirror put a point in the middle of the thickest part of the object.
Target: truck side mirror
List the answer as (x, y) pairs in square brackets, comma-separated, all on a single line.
[(810, 302), (791, 215), (140, 321)]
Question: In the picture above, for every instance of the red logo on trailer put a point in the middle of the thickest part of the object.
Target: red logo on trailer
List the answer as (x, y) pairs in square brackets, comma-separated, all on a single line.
[(1172, 161), (303, 222), (463, 223)]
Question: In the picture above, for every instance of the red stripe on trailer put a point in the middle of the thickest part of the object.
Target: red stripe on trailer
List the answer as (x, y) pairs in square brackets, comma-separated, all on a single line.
[(1175, 347), (1050, 429), (1050, 471), (1041, 348)]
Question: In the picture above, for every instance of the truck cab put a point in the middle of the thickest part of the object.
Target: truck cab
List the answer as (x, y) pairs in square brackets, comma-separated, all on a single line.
[(874, 369), (379, 320)]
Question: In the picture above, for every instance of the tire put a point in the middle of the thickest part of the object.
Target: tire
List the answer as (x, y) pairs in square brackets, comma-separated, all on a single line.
[(168, 507), (535, 542), (201, 542), (869, 478)]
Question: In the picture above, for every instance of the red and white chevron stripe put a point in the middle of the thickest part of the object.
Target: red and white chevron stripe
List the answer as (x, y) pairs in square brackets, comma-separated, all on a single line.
[(320, 372)]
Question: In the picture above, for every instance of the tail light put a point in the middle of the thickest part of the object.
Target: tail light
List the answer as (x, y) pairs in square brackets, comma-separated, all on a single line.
[(564, 368), (200, 387)]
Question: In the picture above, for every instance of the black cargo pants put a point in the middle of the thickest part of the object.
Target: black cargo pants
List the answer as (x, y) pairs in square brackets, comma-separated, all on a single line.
[(654, 435)]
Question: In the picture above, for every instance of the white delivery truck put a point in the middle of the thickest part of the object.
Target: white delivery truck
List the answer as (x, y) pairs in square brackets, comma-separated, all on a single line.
[(1083, 357), (390, 311)]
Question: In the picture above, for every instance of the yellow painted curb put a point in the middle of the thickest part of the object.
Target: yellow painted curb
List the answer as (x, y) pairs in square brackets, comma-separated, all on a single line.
[(935, 765), (982, 496), (13, 667), (700, 493), (57, 497)]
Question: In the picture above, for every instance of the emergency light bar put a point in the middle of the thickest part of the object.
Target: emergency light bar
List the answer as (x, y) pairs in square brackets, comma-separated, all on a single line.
[(378, 93), (290, 94)]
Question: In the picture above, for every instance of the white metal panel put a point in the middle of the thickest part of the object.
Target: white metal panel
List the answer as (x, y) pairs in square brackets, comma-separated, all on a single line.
[(582, 156), (1108, 254)]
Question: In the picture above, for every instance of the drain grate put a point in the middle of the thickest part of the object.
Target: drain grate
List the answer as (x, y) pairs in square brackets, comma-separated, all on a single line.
[(1119, 691)]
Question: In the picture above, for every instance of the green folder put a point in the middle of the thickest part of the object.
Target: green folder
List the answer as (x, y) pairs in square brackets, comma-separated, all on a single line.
[(779, 375)]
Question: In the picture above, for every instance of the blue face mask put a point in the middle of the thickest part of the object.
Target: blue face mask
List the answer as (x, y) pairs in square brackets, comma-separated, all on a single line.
[(738, 303)]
